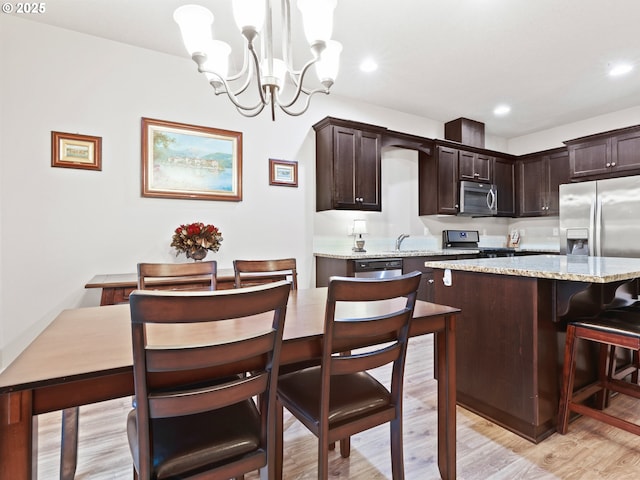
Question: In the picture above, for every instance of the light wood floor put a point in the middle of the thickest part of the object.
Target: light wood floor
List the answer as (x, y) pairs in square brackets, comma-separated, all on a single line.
[(591, 450)]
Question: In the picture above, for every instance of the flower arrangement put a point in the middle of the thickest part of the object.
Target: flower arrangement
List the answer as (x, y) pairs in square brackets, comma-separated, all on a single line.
[(196, 237)]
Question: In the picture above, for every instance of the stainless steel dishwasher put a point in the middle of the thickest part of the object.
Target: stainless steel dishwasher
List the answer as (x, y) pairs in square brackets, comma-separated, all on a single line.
[(377, 268)]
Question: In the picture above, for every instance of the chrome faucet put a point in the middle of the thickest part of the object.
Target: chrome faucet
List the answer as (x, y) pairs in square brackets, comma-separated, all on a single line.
[(399, 240)]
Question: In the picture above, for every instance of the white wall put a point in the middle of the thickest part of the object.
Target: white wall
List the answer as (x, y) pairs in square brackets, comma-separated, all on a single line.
[(555, 137), (59, 227)]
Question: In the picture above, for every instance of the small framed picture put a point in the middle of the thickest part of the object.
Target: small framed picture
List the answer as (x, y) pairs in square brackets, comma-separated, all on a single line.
[(283, 173), (71, 150)]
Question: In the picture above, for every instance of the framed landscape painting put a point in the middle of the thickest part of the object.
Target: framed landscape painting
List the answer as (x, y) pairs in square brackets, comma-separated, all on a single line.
[(190, 161)]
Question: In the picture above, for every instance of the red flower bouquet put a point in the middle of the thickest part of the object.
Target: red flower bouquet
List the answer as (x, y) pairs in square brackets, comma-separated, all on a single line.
[(195, 237)]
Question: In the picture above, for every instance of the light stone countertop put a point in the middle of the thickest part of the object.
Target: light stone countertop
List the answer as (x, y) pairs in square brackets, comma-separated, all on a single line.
[(348, 255), (555, 267)]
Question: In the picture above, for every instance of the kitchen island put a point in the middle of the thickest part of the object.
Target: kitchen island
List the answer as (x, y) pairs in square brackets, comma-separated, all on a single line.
[(511, 331)]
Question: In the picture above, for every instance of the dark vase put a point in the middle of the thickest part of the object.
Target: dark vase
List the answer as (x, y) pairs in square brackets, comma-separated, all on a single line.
[(198, 254)]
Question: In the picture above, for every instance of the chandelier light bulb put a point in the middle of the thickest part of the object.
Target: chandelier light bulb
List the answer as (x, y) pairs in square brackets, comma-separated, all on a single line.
[(329, 64), (249, 14), (195, 25), (217, 53), (317, 19)]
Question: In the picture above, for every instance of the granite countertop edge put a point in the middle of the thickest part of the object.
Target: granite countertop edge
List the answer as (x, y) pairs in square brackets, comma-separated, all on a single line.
[(553, 267), (341, 255)]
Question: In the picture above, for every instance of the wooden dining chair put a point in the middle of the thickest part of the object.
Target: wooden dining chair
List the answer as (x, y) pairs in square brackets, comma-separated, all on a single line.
[(195, 417), (254, 272), (196, 275), (204, 274), (610, 329), (340, 398)]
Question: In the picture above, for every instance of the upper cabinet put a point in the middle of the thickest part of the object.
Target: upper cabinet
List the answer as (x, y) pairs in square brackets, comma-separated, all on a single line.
[(504, 178), (440, 174), (474, 166), (438, 182), (610, 154), (348, 162), (539, 178)]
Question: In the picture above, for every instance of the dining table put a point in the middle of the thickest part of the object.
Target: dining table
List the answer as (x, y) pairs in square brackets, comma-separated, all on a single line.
[(85, 356)]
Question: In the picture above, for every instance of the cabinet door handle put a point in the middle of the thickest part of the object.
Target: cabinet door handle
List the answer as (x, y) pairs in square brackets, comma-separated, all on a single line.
[(430, 280), (476, 174), (608, 165), (613, 164)]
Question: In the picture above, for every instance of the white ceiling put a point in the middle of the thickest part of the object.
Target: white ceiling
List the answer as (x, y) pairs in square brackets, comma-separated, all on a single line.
[(440, 59)]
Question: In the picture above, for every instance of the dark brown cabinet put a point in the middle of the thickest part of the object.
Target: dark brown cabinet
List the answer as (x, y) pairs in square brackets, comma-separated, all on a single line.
[(474, 166), (539, 178), (438, 182), (348, 162), (504, 178), (609, 154)]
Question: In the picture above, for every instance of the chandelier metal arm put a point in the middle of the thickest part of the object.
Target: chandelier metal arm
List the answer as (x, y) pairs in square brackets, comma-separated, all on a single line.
[(200, 59), (298, 82), (306, 103), (255, 113)]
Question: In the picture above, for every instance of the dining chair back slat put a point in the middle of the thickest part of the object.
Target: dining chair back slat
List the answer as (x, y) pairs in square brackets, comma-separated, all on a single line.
[(255, 272), (196, 275)]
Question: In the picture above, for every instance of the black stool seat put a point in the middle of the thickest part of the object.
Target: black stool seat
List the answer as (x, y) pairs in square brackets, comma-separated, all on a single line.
[(611, 329), (623, 323)]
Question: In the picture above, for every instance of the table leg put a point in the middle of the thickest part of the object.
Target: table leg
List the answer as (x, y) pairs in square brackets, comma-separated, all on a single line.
[(446, 348), (18, 436), (69, 443)]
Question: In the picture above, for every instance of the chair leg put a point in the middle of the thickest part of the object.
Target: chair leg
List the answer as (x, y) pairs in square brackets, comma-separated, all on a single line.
[(568, 375), (397, 450), (277, 474), (345, 447), (69, 443), (323, 459), (606, 369)]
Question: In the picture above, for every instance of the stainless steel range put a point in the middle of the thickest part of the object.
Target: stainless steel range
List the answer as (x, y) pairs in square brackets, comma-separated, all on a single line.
[(469, 240)]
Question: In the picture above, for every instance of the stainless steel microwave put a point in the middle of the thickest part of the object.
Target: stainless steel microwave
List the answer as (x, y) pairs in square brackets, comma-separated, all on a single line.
[(478, 199)]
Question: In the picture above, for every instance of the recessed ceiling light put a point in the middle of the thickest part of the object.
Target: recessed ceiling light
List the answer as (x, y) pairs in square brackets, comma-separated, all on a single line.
[(620, 69), (501, 110), (368, 65)]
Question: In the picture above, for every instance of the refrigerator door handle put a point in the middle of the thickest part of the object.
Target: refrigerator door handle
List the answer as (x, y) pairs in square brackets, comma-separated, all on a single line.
[(598, 227)]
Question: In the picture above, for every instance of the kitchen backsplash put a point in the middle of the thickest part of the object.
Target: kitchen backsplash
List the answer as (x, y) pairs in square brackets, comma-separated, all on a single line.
[(535, 233)]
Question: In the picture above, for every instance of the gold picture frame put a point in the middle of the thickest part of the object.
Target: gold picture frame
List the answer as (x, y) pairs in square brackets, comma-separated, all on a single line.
[(283, 173), (190, 161), (71, 150)]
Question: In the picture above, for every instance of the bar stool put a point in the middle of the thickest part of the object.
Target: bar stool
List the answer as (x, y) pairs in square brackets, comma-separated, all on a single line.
[(611, 329)]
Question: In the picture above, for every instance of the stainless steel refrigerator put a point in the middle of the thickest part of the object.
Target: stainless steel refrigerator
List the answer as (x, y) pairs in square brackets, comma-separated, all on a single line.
[(601, 218)]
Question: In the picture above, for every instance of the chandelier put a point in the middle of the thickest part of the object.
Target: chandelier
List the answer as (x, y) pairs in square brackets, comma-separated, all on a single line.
[(260, 67)]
